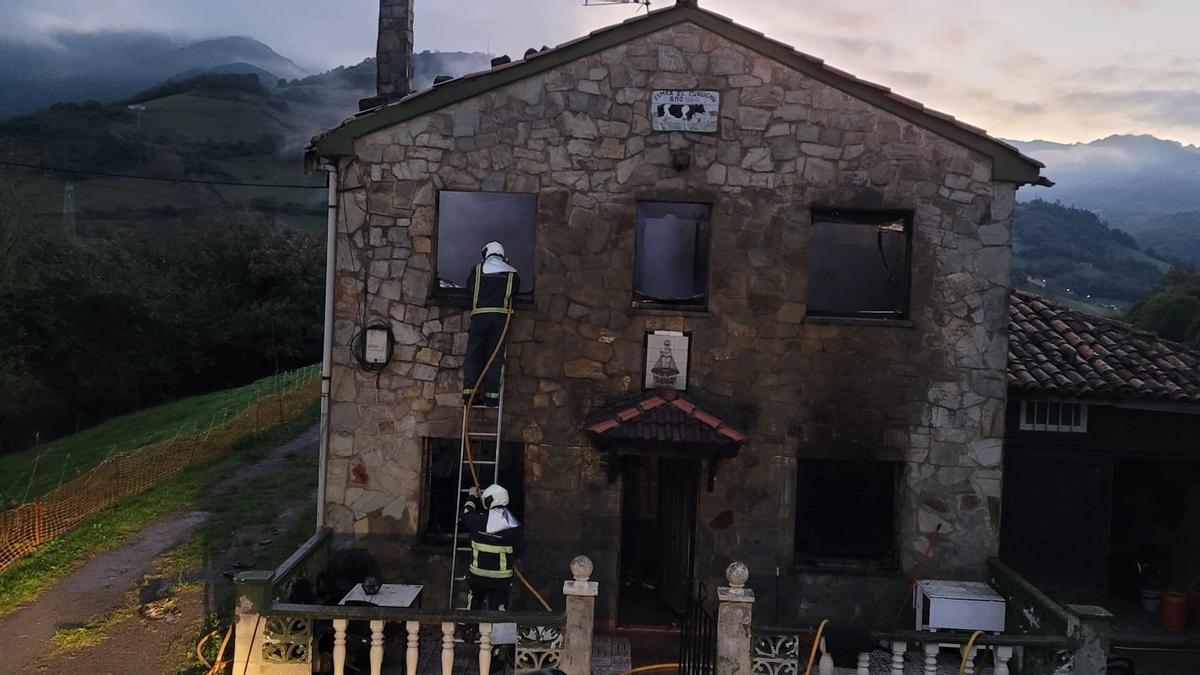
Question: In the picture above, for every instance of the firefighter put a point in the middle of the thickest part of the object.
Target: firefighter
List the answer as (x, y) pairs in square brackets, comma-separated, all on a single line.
[(493, 284), (497, 539)]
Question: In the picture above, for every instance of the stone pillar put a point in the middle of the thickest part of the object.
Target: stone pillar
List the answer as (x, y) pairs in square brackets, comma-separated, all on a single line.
[(253, 591), (734, 622), (581, 610), (1092, 626), (250, 633)]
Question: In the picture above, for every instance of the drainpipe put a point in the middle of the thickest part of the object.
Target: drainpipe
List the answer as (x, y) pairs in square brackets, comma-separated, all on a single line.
[(327, 345)]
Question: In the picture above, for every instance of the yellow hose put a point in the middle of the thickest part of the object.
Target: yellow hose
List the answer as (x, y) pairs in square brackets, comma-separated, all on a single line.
[(962, 668), (647, 669), (812, 655), (466, 444)]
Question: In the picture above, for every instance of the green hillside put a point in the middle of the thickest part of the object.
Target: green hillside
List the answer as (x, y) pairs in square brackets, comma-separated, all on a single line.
[(32, 473), (222, 127), (1175, 236), (1073, 255)]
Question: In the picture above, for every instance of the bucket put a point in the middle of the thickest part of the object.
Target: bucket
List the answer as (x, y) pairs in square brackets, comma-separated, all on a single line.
[(1174, 615), (1151, 599), (1194, 609)]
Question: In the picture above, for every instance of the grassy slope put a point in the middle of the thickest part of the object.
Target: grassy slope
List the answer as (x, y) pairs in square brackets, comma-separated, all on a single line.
[(81, 451), (173, 135), (37, 572)]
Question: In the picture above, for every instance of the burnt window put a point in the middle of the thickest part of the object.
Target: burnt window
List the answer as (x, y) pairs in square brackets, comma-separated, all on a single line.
[(468, 220), (846, 514), (442, 480), (858, 264), (671, 255)]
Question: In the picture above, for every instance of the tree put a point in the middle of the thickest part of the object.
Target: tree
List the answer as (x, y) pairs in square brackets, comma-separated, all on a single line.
[(1173, 310)]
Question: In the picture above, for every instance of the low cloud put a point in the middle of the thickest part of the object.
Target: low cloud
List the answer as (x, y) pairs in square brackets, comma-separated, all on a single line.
[(1023, 62), (909, 78), (1149, 108)]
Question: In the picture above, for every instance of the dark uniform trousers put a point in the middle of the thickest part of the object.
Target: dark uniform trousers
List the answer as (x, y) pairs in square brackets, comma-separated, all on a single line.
[(489, 596), (491, 303), (482, 338)]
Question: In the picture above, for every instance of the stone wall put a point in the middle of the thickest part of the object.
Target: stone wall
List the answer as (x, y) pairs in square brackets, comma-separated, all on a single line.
[(929, 392)]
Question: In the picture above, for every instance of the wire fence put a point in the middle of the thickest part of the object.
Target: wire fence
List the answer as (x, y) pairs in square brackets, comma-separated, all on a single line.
[(124, 474)]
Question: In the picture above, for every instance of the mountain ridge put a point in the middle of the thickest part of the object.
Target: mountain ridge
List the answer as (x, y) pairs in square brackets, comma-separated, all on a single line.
[(112, 65)]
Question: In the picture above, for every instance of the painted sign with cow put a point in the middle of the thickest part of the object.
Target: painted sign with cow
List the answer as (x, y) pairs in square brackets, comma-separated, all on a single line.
[(674, 110)]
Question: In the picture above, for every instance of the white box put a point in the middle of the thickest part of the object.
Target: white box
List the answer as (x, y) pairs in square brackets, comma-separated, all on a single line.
[(958, 605)]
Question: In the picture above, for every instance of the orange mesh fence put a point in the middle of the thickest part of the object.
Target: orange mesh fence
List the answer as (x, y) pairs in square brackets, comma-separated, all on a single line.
[(24, 528)]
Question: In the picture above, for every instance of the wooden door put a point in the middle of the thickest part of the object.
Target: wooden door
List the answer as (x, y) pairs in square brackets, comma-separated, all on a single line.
[(1055, 523), (677, 528)]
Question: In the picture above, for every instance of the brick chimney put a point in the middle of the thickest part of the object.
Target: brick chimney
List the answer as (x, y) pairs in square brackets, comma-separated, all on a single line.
[(393, 53)]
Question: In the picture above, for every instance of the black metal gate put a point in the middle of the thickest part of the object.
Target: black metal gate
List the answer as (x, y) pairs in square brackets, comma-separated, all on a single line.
[(698, 636)]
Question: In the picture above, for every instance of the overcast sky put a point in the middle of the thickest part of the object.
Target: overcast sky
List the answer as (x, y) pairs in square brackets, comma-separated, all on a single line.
[(1064, 70)]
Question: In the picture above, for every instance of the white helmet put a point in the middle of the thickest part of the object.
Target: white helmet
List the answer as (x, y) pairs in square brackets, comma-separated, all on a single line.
[(494, 248), (495, 496)]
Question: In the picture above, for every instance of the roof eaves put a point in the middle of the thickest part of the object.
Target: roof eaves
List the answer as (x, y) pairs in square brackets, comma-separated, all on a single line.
[(1009, 165)]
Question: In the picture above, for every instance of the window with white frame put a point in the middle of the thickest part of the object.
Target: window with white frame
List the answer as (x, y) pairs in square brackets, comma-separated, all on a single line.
[(1058, 416)]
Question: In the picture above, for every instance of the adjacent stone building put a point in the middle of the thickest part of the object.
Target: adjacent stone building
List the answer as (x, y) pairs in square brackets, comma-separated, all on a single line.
[(835, 257)]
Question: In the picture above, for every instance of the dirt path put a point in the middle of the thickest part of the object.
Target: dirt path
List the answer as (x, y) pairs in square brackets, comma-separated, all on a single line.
[(104, 585)]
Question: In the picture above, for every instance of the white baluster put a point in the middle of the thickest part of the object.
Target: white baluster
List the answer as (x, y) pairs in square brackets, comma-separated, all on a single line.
[(447, 648), (864, 664), (825, 664), (485, 648), (414, 641), (898, 649), (971, 661), (376, 647), (1003, 654), (339, 646), (931, 656)]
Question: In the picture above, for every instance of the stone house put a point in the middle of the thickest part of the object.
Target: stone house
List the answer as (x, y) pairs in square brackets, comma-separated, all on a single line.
[(830, 260)]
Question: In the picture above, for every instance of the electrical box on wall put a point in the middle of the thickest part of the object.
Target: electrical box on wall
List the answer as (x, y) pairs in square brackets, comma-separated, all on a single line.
[(376, 349)]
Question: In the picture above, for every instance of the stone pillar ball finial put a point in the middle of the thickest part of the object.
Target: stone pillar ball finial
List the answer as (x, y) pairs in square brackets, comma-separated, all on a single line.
[(581, 568), (737, 574)]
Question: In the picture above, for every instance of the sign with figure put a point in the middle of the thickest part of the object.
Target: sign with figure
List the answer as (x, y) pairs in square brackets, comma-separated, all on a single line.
[(675, 110), (668, 356)]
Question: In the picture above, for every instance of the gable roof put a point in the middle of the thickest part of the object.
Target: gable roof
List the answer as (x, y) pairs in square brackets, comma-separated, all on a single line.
[(1063, 353), (1008, 163), (665, 416)]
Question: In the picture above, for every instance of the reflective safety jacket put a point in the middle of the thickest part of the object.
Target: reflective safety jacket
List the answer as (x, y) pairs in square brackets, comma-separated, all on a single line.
[(492, 285), (496, 539)]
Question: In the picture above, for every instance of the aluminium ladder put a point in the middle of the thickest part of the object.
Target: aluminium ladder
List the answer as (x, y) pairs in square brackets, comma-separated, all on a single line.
[(465, 483)]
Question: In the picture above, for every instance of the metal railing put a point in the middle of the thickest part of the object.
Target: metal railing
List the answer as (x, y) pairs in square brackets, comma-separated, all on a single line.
[(698, 634)]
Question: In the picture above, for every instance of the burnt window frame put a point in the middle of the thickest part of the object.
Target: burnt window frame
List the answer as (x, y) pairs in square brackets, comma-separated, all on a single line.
[(458, 297), (703, 258), (851, 216), (817, 506), (512, 477)]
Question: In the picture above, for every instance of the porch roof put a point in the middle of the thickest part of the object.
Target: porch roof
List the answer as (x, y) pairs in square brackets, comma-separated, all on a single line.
[(666, 416)]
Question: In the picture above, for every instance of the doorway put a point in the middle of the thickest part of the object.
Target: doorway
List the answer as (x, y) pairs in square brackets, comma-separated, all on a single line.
[(658, 538)]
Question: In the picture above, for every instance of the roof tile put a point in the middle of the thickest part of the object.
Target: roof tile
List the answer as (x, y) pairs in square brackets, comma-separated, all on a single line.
[(1055, 350)]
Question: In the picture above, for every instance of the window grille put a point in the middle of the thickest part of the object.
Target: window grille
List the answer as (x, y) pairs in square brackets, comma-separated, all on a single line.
[(1054, 416)]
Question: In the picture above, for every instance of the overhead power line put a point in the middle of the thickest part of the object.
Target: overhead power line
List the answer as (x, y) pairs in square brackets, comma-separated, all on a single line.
[(159, 179)]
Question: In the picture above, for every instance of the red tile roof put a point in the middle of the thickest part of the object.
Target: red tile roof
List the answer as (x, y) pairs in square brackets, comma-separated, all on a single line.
[(1059, 352), (666, 416)]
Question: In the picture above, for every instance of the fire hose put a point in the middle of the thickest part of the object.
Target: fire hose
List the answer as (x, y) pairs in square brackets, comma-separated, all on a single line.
[(466, 445)]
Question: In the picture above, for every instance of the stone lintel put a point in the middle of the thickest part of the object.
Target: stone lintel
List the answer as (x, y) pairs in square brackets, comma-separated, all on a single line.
[(581, 588)]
